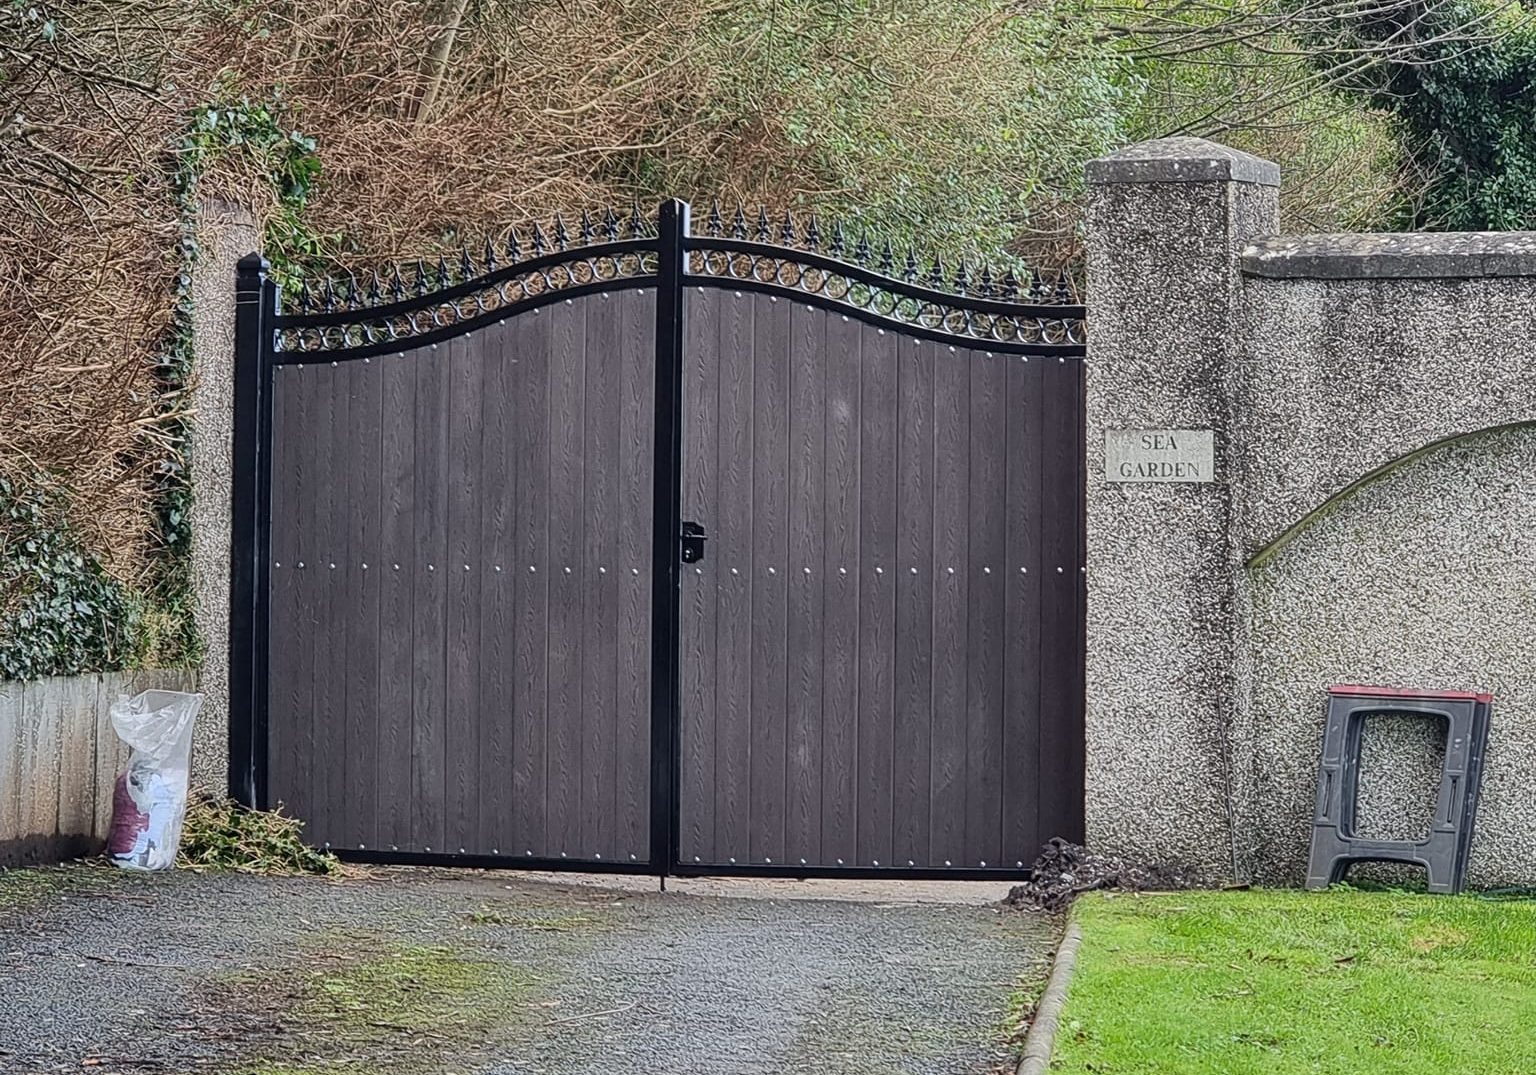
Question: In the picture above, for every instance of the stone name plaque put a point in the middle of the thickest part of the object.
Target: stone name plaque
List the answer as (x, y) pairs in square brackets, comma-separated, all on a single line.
[(1159, 455)]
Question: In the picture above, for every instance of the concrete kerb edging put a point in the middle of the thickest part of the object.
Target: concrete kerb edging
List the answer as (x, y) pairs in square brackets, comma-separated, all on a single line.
[(1040, 1041)]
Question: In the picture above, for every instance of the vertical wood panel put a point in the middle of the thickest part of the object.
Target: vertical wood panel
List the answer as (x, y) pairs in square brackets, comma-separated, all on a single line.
[(499, 417), (700, 584), (599, 584), (769, 552), (327, 642), (428, 664), (840, 607), (567, 476), (733, 551), (77, 762), (463, 569), (530, 747), (1060, 649), (877, 594), (296, 687), (360, 620), (10, 763), (807, 576), (984, 631), (951, 543), (110, 755), (637, 421), (1022, 774), (915, 581), (397, 559)]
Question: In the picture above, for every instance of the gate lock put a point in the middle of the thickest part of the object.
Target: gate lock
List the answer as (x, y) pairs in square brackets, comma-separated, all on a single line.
[(692, 542)]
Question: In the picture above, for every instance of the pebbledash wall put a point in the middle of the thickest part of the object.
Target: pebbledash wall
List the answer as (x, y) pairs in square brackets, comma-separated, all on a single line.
[(1369, 515)]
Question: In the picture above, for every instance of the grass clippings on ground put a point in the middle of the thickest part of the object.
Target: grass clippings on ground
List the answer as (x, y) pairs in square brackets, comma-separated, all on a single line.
[(220, 834), (1283, 982)]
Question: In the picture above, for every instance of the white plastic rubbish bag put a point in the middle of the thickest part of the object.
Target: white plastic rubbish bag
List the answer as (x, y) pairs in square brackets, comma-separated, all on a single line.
[(150, 799)]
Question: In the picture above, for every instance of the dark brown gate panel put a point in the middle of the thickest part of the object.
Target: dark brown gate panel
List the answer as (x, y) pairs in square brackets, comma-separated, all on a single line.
[(461, 549), (880, 654)]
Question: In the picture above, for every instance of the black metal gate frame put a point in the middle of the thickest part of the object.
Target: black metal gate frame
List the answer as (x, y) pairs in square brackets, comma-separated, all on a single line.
[(352, 324)]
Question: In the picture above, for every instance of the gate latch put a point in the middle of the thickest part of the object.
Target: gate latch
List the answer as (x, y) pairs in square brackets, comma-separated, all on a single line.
[(692, 542)]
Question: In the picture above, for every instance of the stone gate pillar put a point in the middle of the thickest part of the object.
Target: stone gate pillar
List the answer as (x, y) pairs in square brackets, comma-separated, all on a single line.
[(1167, 221)]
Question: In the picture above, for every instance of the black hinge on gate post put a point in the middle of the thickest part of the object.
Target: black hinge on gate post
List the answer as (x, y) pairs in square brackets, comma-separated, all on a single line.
[(255, 303), (671, 238)]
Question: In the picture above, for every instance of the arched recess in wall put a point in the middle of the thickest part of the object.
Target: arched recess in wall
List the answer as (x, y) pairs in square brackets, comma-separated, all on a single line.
[(1332, 504)]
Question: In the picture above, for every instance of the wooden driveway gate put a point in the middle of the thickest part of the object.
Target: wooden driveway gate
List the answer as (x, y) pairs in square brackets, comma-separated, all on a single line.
[(663, 552)]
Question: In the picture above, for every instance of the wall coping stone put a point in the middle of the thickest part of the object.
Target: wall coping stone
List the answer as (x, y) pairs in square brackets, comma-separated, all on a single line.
[(1393, 256), (1182, 159)]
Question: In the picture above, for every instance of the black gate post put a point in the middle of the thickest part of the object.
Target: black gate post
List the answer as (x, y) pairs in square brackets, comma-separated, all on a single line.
[(671, 254), (255, 302)]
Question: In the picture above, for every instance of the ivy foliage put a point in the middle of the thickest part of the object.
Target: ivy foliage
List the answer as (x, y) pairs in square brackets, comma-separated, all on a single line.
[(60, 611), (1467, 109)]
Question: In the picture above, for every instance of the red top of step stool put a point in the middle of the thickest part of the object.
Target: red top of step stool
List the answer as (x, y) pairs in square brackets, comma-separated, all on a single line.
[(1406, 692)]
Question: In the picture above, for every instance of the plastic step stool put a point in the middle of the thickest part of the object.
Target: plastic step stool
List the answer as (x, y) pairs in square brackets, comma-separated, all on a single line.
[(1443, 852)]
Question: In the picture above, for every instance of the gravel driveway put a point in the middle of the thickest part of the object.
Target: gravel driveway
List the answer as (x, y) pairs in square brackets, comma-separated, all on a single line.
[(439, 971)]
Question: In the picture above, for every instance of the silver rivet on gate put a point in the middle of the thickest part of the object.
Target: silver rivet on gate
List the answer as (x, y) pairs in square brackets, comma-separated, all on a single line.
[(1018, 864), (366, 361), (773, 571), (562, 854), (840, 861), (806, 570), (598, 854), (427, 849), (461, 850), (983, 862), (605, 299), (986, 571), (951, 350), (301, 563), (602, 571), (879, 570), (631, 858), (466, 567), (876, 862), (333, 365), (362, 847), (532, 567), (529, 853), (768, 860), (947, 862), (1023, 570), (910, 862), (1084, 568), (881, 331), (773, 298), (327, 843), (394, 847), (738, 295), (634, 571), (989, 355), (914, 570), (696, 571), (277, 563), (842, 571), (333, 567), (696, 858), (733, 862), (734, 571), (397, 567), (950, 570), (301, 365), (568, 302), (434, 347), (1061, 361), (802, 862), (431, 567), (1058, 571), (501, 320), (845, 317), (365, 567), (495, 850), (498, 569), (567, 571)]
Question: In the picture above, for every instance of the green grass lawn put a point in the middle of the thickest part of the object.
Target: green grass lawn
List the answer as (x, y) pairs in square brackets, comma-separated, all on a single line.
[(1277, 982)]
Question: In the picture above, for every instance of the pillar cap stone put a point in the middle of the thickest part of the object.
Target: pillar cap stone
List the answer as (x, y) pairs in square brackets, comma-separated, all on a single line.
[(1182, 159)]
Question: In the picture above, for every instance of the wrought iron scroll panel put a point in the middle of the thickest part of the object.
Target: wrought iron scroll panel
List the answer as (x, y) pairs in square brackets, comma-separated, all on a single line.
[(429, 326)]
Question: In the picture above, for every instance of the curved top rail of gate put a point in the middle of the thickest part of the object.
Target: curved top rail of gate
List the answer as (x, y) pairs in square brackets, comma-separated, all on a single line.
[(342, 320)]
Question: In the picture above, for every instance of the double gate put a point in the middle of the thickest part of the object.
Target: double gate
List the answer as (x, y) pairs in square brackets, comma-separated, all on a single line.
[(725, 553)]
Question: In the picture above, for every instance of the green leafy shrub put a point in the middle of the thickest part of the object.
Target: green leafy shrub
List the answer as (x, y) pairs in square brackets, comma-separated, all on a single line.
[(60, 611)]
